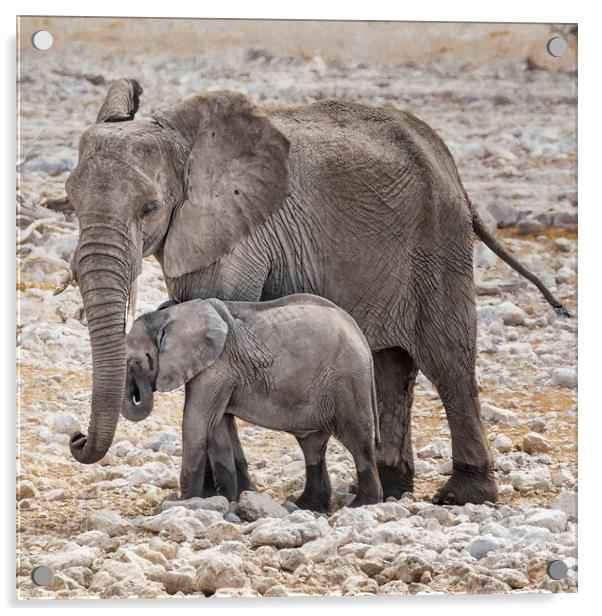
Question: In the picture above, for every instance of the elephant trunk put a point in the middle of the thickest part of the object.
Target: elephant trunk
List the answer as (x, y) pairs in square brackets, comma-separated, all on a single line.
[(138, 399), (104, 277)]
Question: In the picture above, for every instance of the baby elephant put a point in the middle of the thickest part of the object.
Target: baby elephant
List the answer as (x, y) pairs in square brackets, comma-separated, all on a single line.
[(298, 364)]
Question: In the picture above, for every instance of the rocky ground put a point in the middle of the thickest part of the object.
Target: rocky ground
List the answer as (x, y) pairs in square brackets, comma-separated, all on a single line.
[(110, 529)]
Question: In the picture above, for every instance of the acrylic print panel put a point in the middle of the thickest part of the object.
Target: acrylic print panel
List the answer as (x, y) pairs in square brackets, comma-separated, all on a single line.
[(303, 175)]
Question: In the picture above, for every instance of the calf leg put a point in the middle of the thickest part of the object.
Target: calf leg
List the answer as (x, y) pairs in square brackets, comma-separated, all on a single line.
[(221, 457), (317, 493)]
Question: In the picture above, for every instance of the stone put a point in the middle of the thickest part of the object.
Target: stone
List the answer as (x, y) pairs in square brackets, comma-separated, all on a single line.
[(562, 477), (108, 522), (534, 442), (477, 583), (564, 377), (73, 556), (535, 479), (496, 414), (290, 559), (563, 245), (122, 449), (566, 502), (293, 531), (26, 489), (406, 567), (253, 505), (154, 473), (565, 275), (359, 584), (166, 441), (481, 546), (502, 443), (435, 449), (180, 581), (511, 314), (278, 590), (553, 519), (212, 503), (92, 538), (66, 423), (216, 569)]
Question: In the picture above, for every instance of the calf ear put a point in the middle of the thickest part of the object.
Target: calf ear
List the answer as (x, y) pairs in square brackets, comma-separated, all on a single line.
[(192, 338), (237, 176), (121, 102)]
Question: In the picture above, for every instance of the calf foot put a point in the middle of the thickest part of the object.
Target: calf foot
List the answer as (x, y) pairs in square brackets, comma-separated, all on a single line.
[(395, 480), (314, 502), (468, 484)]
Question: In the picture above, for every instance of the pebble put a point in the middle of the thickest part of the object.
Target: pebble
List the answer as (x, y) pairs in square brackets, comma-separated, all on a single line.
[(511, 314), (66, 423), (108, 522), (481, 546), (26, 489), (502, 443), (216, 569), (564, 377), (212, 503), (533, 442), (154, 473), (254, 505), (496, 414)]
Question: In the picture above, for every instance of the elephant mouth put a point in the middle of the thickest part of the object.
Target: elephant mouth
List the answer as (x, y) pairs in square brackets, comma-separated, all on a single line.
[(135, 394)]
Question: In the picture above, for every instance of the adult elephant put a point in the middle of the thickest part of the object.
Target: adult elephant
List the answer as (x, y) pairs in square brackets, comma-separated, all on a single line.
[(363, 206)]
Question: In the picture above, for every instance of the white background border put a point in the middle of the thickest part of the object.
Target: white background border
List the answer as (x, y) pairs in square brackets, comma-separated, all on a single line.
[(590, 278)]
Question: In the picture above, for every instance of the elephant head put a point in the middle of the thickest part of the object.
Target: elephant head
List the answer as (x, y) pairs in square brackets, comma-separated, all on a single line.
[(167, 348), (187, 185)]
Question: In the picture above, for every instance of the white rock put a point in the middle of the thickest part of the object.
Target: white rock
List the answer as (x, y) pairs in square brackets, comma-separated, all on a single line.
[(511, 314), (254, 505), (166, 441), (435, 449), (154, 473), (563, 245), (481, 546), (290, 559), (109, 522), (563, 476), (290, 532), (73, 556), (552, 519), (533, 442), (216, 569), (502, 443), (92, 538), (564, 377), (26, 489), (496, 414), (212, 503), (536, 479), (122, 448), (565, 275), (567, 502), (66, 423)]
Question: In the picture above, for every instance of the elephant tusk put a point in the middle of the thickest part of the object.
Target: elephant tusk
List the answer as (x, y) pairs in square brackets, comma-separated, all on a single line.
[(64, 282), (130, 311)]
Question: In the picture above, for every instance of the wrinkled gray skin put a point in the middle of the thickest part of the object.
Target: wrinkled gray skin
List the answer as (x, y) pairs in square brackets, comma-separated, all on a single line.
[(360, 205), (298, 364)]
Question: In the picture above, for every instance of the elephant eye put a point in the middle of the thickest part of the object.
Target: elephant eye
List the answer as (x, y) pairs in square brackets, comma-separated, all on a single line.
[(150, 206)]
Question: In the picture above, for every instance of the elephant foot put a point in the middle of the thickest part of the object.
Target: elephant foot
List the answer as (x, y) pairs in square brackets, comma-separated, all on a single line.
[(395, 481), (314, 502), (468, 484)]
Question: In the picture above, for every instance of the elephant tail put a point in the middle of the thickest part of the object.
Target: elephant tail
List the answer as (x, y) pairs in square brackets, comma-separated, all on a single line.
[(375, 409), (485, 235)]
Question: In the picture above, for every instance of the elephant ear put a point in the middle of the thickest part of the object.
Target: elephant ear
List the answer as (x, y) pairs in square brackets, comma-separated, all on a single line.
[(121, 102), (191, 339), (237, 176)]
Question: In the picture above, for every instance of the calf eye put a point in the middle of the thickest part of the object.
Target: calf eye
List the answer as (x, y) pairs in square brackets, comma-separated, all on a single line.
[(150, 362), (149, 206)]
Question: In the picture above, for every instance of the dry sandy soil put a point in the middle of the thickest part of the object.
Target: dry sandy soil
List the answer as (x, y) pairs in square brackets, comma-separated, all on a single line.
[(508, 114)]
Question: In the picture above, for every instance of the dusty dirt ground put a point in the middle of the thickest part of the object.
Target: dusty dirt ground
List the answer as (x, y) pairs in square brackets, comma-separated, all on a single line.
[(510, 121)]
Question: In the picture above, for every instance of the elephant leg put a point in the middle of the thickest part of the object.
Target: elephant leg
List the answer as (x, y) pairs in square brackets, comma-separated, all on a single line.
[(317, 493), (450, 366), (243, 479), (221, 457), (395, 374), (360, 444)]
